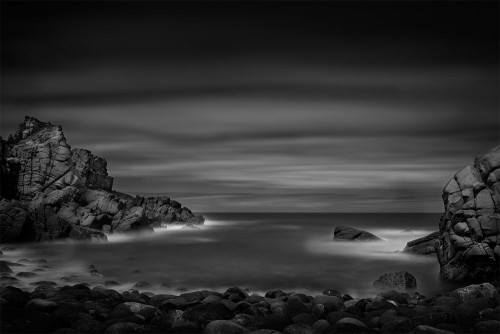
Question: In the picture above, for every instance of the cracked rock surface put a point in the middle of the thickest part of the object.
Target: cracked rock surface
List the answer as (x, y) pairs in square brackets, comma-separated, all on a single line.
[(469, 243), (51, 191)]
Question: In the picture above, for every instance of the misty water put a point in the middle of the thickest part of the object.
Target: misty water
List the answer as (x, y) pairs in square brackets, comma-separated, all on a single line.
[(259, 251)]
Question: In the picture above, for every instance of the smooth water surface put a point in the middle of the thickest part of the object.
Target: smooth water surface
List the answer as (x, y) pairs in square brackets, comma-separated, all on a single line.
[(258, 251)]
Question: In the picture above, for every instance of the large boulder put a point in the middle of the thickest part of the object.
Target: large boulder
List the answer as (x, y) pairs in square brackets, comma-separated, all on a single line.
[(401, 281), (352, 234), (423, 246), (469, 248), (50, 191)]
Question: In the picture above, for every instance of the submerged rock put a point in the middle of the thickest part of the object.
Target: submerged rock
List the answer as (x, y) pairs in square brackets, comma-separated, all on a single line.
[(401, 281), (469, 248), (51, 191), (353, 234)]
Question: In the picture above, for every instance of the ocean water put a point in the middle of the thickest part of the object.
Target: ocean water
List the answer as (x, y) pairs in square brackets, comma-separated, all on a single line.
[(257, 251)]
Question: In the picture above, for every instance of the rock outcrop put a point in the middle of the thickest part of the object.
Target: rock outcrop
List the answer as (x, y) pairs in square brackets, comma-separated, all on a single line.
[(423, 246), (353, 234), (469, 247), (50, 191)]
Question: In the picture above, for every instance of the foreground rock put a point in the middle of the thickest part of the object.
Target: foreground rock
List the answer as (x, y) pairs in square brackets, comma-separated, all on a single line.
[(423, 246), (401, 281), (469, 247), (50, 191), (81, 309), (352, 234)]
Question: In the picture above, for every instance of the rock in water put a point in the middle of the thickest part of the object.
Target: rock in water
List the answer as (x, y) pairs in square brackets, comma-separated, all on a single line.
[(50, 191), (469, 248), (401, 281), (349, 233), (423, 246)]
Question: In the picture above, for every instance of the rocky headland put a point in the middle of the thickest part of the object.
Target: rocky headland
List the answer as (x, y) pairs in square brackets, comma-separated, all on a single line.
[(469, 242), (51, 191)]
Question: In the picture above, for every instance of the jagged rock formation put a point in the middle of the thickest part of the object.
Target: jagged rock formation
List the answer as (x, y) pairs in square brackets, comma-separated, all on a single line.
[(469, 247), (423, 246), (49, 191), (353, 234)]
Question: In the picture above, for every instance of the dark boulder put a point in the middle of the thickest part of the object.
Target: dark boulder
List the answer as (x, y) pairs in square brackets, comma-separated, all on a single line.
[(423, 246), (352, 234), (224, 326), (205, 313), (401, 281)]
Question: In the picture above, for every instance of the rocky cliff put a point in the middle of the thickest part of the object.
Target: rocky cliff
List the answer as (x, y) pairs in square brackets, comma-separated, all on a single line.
[(50, 191), (469, 243)]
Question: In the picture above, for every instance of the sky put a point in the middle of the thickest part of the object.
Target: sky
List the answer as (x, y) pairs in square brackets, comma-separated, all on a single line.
[(262, 107)]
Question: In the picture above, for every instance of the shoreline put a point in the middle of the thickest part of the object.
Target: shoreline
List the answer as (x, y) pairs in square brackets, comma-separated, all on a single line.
[(76, 307)]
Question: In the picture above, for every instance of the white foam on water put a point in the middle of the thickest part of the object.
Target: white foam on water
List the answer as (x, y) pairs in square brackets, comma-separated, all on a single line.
[(394, 241)]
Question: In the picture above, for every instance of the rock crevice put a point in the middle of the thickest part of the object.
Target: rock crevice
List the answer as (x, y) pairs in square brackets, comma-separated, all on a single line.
[(50, 191), (469, 242)]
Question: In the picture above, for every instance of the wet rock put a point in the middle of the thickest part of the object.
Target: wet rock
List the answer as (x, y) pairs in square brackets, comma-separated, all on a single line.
[(195, 296), (142, 284), (14, 296), (67, 313), (387, 316), (25, 274), (242, 319), (144, 311), (275, 294), (334, 317), (304, 318), (4, 268), (488, 326), (332, 292), (224, 326), (331, 303), (53, 192), (299, 329), (423, 246), (49, 283), (352, 234), (319, 310), (398, 297), (400, 281), (89, 326), (125, 327), (41, 305), (399, 325), (423, 329), (321, 326), (175, 321), (235, 294), (471, 200), (351, 321), (474, 291), (205, 313), (294, 306), (111, 283)]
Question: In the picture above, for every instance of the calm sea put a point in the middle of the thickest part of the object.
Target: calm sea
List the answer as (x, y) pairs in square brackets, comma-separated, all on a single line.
[(258, 251)]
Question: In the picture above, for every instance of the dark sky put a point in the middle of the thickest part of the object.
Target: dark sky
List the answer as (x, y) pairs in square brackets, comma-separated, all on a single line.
[(361, 106)]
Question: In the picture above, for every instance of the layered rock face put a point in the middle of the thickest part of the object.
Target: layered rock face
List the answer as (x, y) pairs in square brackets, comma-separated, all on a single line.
[(469, 248), (49, 191)]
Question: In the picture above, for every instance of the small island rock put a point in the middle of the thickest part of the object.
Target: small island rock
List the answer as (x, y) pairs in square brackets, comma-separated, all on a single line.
[(348, 233)]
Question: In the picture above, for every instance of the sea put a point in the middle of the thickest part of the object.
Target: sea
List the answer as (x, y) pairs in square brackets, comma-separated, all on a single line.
[(293, 252)]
